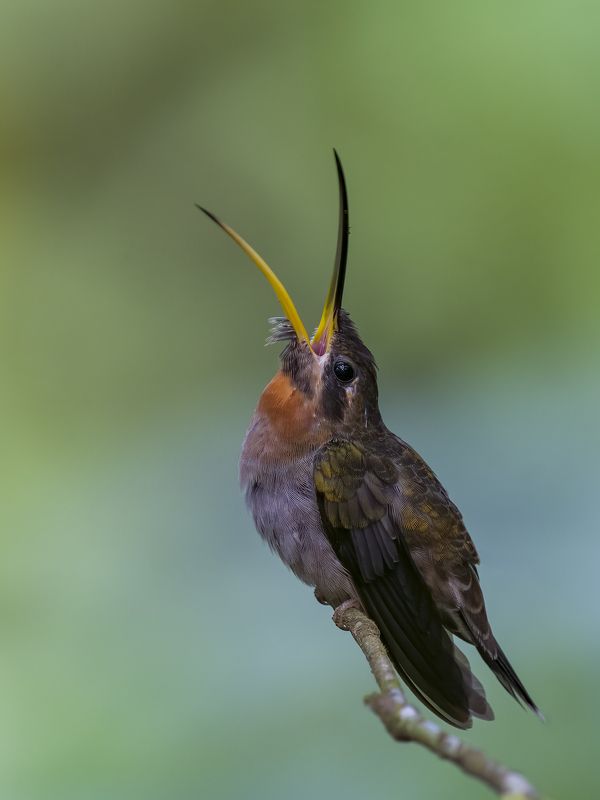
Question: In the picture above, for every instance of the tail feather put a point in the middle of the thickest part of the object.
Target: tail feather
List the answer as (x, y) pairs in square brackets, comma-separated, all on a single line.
[(503, 670), (479, 633)]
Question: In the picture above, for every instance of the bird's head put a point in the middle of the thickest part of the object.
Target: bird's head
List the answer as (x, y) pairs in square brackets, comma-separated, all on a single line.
[(334, 372)]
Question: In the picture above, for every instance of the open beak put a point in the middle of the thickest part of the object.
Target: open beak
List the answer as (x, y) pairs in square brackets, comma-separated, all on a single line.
[(322, 338)]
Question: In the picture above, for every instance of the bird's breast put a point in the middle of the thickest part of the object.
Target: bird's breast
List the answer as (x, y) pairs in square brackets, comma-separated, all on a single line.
[(276, 474)]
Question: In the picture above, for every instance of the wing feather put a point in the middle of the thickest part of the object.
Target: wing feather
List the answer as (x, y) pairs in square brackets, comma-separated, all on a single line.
[(360, 505)]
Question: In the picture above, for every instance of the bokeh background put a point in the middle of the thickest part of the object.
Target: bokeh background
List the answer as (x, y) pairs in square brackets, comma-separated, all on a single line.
[(150, 646)]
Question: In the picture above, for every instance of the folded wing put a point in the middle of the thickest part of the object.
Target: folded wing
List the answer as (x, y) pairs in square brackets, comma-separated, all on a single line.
[(359, 501)]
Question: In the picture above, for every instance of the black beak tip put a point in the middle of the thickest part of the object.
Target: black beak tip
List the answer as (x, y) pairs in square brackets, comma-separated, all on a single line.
[(338, 161), (209, 214)]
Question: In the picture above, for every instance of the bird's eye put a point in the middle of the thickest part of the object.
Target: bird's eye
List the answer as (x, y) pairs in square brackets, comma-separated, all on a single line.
[(344, 371)]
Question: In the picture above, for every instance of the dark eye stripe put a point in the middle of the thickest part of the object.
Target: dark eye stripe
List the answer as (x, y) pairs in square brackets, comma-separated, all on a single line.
[(344, 371)]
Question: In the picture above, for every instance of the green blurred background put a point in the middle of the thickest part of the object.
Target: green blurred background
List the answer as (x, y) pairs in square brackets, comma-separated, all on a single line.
[(150, 646)]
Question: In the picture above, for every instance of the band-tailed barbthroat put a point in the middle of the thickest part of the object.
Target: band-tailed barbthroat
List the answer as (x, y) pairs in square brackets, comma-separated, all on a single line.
[(356, 513)]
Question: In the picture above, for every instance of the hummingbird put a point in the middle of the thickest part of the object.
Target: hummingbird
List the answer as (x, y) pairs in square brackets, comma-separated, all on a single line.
[(356, 513)]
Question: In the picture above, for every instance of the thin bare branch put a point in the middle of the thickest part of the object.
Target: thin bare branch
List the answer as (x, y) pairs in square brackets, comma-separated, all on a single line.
[(405, 724)]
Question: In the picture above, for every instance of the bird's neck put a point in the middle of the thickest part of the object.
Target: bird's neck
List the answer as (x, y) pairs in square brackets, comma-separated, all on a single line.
[(287, 423)]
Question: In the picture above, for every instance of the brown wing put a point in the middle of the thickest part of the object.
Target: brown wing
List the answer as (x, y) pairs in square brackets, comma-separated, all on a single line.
[(362, 508), (440, 544), (446, 557)]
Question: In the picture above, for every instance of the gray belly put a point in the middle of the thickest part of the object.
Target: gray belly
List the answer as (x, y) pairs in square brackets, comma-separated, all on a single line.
[(281, 497)]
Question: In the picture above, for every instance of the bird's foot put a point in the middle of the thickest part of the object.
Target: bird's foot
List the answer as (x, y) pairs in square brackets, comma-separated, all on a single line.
[(338, 614), (320, 599)]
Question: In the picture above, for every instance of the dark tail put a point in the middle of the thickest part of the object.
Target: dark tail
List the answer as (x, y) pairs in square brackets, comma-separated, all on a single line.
[(503, 670), (476, 630)]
